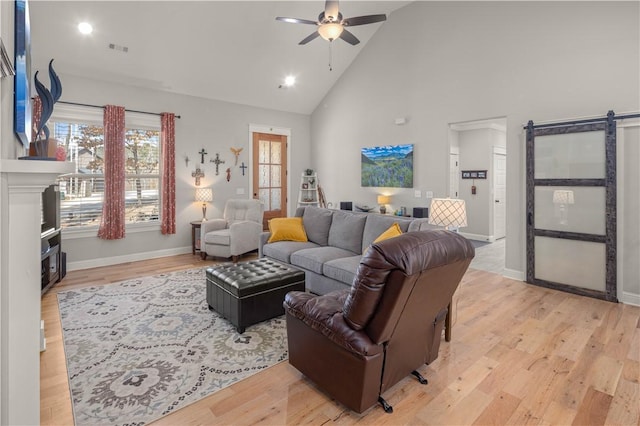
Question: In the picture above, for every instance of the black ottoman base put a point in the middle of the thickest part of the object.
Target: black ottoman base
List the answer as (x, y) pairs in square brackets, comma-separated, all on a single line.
[(251, 292)]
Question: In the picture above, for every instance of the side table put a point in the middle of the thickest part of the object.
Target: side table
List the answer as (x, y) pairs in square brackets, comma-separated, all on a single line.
[(195, 236)]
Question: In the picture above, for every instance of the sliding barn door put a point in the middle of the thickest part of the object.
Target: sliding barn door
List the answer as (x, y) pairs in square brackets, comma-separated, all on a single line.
[(571, 207)]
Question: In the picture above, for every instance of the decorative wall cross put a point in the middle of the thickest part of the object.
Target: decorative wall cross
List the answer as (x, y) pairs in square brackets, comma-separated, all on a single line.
[(243, 167), (198, 174), (217, 162), (236, 152), (202, 152)]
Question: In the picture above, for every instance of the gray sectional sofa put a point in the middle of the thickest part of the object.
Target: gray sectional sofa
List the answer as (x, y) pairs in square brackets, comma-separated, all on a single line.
[(337, 240)]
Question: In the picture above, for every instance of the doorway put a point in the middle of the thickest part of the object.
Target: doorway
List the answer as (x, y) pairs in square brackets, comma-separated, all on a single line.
[(480, 145), (269, 173)]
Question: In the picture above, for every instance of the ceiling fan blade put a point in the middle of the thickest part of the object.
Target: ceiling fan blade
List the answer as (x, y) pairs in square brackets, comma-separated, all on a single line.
[(331, 10), (310, 37), (349, 38), (363, 20), (295, 20)]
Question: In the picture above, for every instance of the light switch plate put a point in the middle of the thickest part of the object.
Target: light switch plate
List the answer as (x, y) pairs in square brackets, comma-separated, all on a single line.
[(417, 193), (428, 194), (240, 191)]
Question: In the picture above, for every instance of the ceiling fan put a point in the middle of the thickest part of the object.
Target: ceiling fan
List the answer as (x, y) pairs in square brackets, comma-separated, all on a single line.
[(331, 25)]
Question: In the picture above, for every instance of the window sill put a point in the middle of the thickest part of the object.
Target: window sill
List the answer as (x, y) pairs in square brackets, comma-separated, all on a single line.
[(92, 231)]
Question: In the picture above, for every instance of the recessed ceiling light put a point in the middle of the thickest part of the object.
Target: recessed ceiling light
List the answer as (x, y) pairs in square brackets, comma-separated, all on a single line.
[(289, 80), (85, 28)]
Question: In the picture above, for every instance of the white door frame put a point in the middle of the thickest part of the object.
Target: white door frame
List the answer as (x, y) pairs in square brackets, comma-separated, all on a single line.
[(498, 150)]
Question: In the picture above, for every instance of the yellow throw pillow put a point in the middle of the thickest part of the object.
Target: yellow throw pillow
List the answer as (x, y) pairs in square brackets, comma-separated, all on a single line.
[(393, 231), (287, 229)]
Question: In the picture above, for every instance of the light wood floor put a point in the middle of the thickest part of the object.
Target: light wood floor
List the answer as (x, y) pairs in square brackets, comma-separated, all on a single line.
[(520, 354)]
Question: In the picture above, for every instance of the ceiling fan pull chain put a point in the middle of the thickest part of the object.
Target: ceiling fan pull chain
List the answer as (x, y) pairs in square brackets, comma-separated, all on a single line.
[(330, 57)]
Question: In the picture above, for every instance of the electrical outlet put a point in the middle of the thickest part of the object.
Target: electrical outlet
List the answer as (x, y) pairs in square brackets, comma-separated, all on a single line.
[(417, 193), (428, 194), (239, 191)]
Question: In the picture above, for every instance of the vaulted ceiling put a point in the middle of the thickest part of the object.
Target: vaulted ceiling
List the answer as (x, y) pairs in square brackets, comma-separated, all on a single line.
[(233, 51)]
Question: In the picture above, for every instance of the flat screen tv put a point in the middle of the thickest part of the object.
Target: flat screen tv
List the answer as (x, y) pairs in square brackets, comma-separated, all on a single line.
[(387, 166)]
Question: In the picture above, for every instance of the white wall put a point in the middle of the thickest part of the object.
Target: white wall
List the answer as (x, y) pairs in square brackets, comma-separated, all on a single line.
[(439, 63), (213, 125)]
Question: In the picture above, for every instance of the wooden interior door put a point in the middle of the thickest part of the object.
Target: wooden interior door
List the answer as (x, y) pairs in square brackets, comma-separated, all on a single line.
[(270, 174)]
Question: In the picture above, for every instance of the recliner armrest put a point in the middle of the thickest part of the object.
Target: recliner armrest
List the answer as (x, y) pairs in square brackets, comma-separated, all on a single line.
[(324, 315), (213, 225)]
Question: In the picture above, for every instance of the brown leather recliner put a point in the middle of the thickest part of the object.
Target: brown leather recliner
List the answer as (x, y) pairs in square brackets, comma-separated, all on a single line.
[(355, 344)]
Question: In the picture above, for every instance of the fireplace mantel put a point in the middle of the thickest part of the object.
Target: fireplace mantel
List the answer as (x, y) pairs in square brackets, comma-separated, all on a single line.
[(21, 186)]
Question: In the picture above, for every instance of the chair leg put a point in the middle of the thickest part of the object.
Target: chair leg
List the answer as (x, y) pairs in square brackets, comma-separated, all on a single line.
[(234, 259), (203, 255), (385, 405), (420, 378), (447, 324)]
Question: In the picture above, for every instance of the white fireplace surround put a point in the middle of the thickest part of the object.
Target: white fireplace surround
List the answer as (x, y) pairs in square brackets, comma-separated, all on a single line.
[(21, 186)]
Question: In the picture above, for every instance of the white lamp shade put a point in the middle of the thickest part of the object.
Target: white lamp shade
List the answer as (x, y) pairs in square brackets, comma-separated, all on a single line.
[(448, 212), (330, 31), (562, 196), (204, 195)]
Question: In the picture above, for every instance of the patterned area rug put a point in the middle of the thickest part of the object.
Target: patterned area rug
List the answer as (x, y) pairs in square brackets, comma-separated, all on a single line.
[(143, 348)]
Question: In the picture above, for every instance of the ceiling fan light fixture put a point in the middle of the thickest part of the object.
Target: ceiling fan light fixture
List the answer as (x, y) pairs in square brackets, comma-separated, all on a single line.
[(330, 31)]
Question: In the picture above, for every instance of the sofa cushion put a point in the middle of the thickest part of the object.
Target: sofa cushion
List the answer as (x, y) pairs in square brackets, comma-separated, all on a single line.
[(312, 259), (287, 229), (282, 250), (220, 237), (377, 224), (343, 269), (317, 222), (346, 231), (422, 225)]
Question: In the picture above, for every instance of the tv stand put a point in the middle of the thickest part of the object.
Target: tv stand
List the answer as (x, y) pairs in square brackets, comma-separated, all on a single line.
[(52, 262), (51, 258)]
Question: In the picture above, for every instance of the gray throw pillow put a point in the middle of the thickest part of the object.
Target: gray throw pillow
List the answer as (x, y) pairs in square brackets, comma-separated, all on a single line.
[(316, 222), (346, 231)]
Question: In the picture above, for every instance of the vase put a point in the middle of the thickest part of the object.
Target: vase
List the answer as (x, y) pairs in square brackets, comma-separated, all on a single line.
[(42, 150)]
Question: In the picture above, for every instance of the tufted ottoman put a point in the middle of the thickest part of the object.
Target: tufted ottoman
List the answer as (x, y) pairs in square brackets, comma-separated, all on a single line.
[(250, 292)]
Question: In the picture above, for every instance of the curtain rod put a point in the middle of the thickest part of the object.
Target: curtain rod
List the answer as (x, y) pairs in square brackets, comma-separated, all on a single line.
[(98, 106), (583, 121)]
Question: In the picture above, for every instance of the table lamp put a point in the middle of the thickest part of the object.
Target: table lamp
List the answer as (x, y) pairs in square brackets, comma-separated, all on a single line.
[(383, 200), (448, 212), (204, 195)]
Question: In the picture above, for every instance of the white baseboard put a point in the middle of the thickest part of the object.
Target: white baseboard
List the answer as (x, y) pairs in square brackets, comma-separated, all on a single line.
[(107, 261), (477, 237), (513, 274), (630, 299)]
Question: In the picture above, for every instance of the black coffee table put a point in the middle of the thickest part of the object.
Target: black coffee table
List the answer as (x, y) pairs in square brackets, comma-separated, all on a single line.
[(247, 293)]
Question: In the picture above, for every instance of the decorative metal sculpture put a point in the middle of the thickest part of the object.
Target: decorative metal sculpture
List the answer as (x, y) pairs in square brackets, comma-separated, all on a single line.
[(198, 174), (217, 162), (48, 99), (202, 152), (243, 167), (236, 152), (228, 174)]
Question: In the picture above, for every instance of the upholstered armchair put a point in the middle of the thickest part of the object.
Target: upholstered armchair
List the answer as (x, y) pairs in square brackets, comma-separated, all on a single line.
[(237, 233), (355, 344)]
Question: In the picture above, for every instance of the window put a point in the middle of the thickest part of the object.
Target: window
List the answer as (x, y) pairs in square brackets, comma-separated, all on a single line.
[(81, 134)]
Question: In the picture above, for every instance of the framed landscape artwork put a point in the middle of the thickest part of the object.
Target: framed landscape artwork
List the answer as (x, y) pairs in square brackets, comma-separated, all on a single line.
[(22, 100), (387, 166)]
